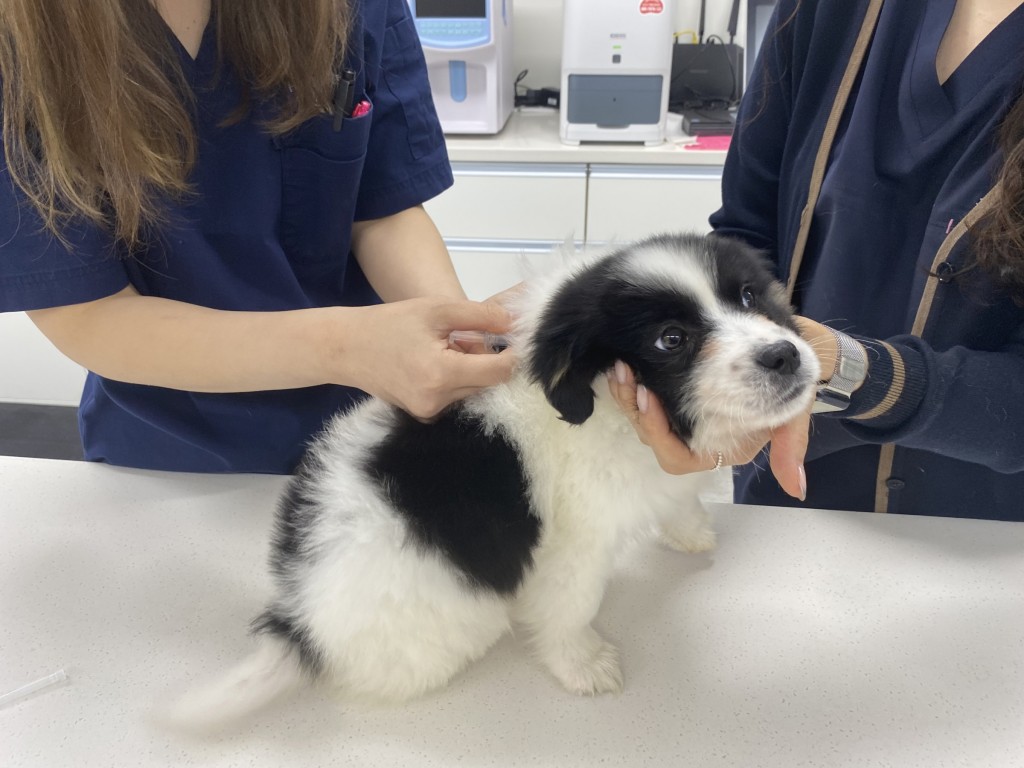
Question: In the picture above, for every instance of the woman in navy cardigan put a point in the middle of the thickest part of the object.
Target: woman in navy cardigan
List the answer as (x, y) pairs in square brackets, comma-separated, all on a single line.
[(900, 127)]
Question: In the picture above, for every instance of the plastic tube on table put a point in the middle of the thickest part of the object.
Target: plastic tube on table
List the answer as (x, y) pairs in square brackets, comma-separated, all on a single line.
[(19, 694)]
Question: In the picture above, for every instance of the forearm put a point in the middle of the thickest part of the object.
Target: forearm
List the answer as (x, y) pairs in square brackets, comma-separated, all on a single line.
[(403, 256), (159, 342), (147, 340), (960, 403)]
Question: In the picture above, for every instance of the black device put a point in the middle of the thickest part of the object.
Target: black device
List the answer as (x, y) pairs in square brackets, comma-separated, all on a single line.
[(707, 80), (710, 122)]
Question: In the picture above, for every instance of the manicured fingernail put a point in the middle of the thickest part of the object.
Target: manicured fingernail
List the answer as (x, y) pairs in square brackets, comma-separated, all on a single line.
[(803, 483), (641, 399), (620, 372)]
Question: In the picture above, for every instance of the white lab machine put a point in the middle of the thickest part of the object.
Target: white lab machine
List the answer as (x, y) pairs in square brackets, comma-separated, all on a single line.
[(468, 48), (616, 68)]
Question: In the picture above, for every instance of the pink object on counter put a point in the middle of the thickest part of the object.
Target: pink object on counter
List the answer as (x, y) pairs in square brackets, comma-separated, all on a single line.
[(714, 143)]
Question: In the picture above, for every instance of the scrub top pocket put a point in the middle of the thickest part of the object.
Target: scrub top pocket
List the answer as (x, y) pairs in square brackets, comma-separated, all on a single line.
[(320, 176)]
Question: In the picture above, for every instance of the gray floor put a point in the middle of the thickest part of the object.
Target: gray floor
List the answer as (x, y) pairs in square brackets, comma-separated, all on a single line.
[(39, 431)]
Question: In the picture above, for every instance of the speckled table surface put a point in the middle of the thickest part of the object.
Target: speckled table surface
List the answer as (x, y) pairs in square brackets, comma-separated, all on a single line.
[(807, 639)]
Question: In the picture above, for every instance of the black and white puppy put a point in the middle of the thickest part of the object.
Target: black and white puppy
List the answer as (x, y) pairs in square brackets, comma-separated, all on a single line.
[(404, 550)]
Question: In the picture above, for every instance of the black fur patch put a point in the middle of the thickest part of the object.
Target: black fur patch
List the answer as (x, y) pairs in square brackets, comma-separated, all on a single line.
[(603, 315), (463, 493), (296, 514), (272, 623), (738, 266)]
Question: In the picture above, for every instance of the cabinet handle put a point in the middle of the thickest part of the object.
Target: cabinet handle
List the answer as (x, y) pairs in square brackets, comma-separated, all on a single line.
[(647, 172), (460, 244), (521, 170)]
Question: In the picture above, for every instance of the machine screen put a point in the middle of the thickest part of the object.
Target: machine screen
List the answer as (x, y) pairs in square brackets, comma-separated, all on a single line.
[(451, 9)]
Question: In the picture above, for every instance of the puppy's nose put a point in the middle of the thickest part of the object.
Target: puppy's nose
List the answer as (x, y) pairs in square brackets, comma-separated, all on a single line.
[(782, 357)]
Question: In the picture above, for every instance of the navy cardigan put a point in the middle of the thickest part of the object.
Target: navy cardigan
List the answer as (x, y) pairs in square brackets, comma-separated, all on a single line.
[(938, 428)]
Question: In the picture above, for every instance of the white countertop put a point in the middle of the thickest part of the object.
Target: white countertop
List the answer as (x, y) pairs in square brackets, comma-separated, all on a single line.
[(807, 639), (531, 136)]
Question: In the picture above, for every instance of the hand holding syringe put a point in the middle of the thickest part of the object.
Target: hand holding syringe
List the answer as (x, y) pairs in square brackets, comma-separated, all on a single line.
[(478, 341)]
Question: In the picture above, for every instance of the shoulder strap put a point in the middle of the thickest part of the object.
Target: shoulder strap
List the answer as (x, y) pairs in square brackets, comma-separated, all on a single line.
[(860, 48)]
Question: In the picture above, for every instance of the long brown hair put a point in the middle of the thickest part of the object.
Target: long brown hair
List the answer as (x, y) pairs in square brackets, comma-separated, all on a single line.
[(96, 112), (998, 239)]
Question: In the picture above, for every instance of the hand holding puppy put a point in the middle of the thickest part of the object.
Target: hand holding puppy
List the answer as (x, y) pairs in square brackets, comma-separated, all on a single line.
[(788, 442)]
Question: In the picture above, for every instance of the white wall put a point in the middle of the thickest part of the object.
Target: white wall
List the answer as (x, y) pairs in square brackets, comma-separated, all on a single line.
[(537, 32), (33, 371)]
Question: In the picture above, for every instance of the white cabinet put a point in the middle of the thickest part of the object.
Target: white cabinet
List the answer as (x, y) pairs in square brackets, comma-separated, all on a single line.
[(513, 201), (489, 267), (626, 202), (500, 217)]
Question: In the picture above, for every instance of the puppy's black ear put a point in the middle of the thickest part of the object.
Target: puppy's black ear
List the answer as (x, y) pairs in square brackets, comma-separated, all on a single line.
[(572, 393), (567, 354)]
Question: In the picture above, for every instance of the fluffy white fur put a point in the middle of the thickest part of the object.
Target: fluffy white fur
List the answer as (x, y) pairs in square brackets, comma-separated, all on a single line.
[(395, 621)]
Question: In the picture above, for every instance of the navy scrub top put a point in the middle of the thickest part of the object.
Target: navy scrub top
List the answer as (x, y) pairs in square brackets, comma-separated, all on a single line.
[(268, 229)]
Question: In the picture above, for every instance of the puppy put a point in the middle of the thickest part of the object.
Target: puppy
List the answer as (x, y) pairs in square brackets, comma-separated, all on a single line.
[(404, 550)]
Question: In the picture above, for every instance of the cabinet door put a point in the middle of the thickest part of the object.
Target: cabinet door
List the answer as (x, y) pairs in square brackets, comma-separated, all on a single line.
[(489, 267), (34, 371), (513, 201), (626, 202)]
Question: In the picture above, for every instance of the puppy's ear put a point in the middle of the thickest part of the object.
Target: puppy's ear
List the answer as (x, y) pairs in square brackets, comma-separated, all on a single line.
[(570, 391), (567, 354)]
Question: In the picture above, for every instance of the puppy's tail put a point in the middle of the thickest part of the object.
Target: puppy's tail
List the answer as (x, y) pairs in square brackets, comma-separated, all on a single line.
[(272, 672)]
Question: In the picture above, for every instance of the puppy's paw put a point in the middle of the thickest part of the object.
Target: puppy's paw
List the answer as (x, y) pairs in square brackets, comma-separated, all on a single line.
[(700, 540), (587, 665), (688, 529)]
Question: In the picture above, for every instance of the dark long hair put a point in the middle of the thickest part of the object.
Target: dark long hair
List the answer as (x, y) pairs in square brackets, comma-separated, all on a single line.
[(998, 239)]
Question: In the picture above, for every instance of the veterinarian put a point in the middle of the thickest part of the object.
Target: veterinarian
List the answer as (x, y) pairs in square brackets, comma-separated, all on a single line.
[(901, 127), (204, 206)]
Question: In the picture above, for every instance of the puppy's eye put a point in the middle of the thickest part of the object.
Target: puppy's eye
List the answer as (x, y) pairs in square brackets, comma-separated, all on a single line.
[(747, 298), (671, 338)]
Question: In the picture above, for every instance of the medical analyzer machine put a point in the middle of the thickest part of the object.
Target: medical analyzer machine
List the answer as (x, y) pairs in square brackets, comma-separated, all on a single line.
[(468, 47), (616, 67)]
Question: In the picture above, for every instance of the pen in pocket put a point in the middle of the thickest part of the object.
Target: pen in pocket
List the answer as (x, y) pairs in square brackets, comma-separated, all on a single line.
[(344, 93)]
